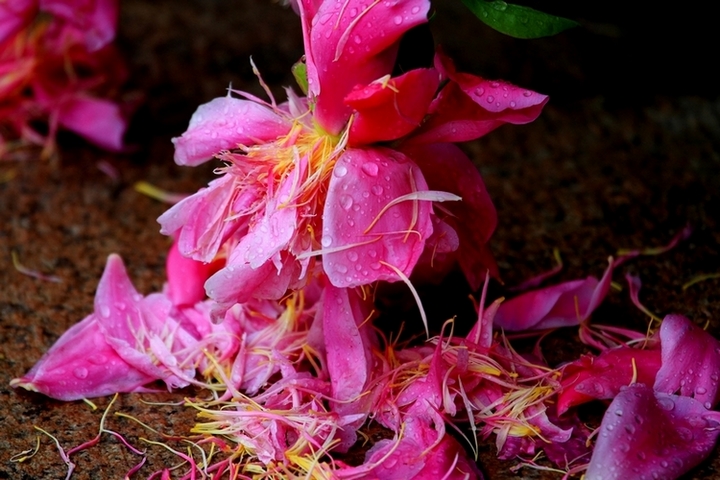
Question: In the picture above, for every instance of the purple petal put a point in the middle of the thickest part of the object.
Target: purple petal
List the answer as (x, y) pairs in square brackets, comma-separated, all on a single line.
[(690, 361), (653, 434)]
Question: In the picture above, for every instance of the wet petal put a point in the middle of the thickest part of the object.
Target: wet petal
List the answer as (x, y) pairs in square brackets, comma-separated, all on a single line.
[(361, 234), (654, 434), (602, 377), (448, 169), (81, 364), (186, 277), (388, 109), (468, 107), (351, 43), (224, 123), (96, 120), (690, 361)]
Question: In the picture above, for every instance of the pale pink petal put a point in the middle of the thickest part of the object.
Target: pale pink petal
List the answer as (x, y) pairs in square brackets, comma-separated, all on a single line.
[(602, 377), (225, 123), (81, 364), (96, 19), (468, 107), (388, 109), (361, 234), (97, 120), (202, 218), (563, 305), (690, 361), (652, 434), (352, 43), (446, 168)]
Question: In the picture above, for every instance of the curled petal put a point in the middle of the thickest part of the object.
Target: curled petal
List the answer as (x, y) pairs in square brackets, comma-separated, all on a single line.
[(390, 108), (351, 43), (225, 123), (690, 361), (371, 221), (563, 305), (653, 434), (81, 364), (186, 277)]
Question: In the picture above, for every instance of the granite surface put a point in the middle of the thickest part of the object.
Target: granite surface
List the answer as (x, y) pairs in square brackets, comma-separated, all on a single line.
[(625, 155)]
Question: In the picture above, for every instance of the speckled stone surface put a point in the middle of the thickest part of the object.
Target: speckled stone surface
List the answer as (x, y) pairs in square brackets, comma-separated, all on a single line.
[(626, 153)]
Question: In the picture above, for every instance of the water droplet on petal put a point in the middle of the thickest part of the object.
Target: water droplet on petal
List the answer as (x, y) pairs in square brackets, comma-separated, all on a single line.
[(666, 404), (370, 168), (701, 390), (707, 405), (341, 268), (353, 12), (377, 189), (346, 201), (619, 412), (495, 84), (527, 93), (375, 265), (479, 91), (340, 171), (398, 19), (415, 10), (490, 99), (326, 241), (80, 372), (105, 311), (352, 256), (512, 104), (629, 428), (357, 39), (641, 455)]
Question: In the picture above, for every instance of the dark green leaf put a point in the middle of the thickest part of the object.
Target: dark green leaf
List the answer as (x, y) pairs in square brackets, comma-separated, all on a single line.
[(516, 20)]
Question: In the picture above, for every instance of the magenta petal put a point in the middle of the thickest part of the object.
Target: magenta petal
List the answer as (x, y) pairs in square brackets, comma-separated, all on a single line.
[(81, 364), (361, 235), (448, 169), (14, 16), (352, 43), (96, 19), (225, 123), (653, 434), (690, 361), (186, 277), (98, 121), (388, 109)]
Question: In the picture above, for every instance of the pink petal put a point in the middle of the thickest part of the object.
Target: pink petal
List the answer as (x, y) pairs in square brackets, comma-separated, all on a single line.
[(690, 361), (563, 305), (359, 231), (97, 120), (225, 123), (351, 43), (448, 169), (603, 376), (469, 107), (390, 109), (81, 364), (14, 16), (653, 434), (201, 219), (96, 19), (186, 277)]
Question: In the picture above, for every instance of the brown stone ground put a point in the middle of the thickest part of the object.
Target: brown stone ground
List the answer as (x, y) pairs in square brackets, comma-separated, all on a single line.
[(625, 155)]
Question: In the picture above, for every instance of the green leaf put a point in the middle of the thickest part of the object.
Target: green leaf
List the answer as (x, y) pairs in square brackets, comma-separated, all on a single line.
[(299, 71), (516, 20)]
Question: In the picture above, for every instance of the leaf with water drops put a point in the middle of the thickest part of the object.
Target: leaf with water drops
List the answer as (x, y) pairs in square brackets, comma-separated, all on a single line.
[(516, 20)]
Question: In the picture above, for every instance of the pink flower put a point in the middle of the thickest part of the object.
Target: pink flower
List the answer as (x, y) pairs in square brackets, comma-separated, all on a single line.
[(307, 179)]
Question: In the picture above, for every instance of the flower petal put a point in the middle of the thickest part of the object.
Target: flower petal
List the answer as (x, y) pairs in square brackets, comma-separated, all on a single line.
[(690, 361), (653, 434), (97, 120), (388, 109), (363, 230), (14, 16), (469, 107), (448, 169), (81, 364), (96, 19), (225, 123), (352, 43), (186, 277)]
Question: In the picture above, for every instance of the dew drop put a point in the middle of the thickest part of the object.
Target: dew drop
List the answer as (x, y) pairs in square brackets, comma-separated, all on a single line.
[(479, 91), (625, 447), (357, 39), (358, 267), (377, 189), (707, 405), (97, 359), (351, 222), (346, 201), (701, 390), (80, 372), (629, 428), (415, 10), (664, 464), (370, 168), (326, 241), (375, 265), (666, 404), (619, 412), (512, 104), (353, 12), (527, 93), (352, 256), (398, 19), (490, 99), (325, 18), (495, 84), (372, 253), (356, 207), (340, 171), (365, 194), (639, 420), (105, 311), (341, 268), (641, 455)]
